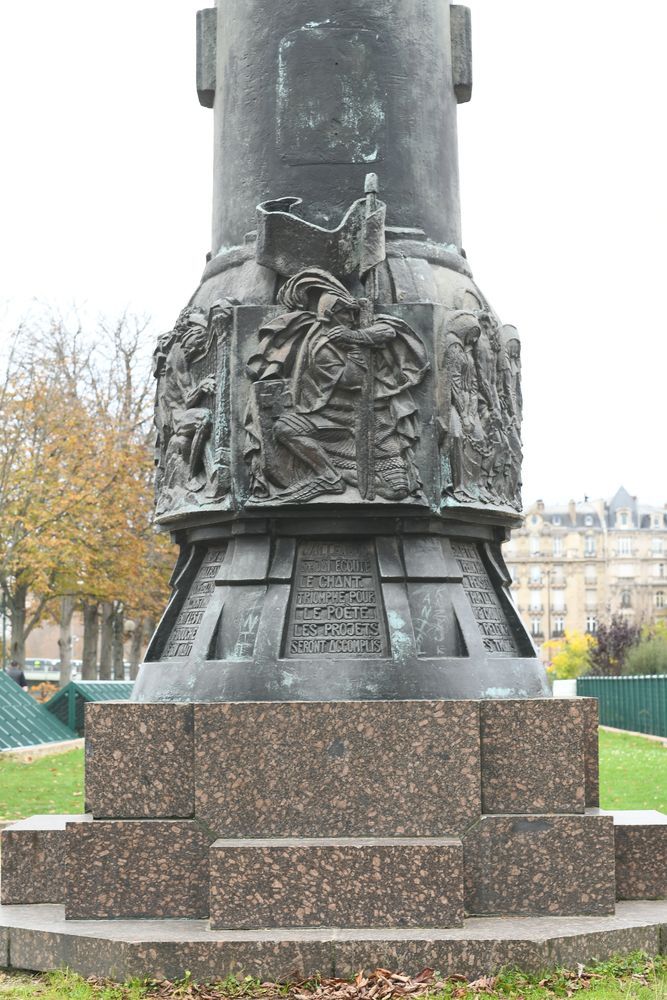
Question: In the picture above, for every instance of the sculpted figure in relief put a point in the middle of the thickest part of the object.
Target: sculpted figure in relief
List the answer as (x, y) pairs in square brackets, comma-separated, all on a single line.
[(481, 421), (462, 435), (184, 410), (331, 406)]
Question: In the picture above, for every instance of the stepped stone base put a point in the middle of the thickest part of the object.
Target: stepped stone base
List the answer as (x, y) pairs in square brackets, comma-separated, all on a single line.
[(329, 836), (40, 939)]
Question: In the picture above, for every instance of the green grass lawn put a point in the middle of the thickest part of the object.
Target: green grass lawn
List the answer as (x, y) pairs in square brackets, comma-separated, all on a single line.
[(632, 978), (633, 772), (46, 785)]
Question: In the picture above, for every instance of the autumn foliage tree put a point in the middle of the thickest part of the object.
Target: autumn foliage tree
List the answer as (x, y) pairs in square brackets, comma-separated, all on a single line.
[(75, 483), (613, 642)]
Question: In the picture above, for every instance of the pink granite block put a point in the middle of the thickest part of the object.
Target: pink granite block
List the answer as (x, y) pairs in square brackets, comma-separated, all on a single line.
[(641, 854), (540, 866), (136, 869), (337, 883), (33, 860), (533, 756), (338, 769), (139, 760)]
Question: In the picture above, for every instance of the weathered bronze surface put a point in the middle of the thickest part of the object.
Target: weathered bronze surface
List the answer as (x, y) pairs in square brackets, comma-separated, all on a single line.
[(338, 407)]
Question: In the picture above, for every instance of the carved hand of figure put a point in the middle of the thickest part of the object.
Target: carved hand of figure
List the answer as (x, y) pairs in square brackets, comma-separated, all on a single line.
[(222, 309), (205, 387)]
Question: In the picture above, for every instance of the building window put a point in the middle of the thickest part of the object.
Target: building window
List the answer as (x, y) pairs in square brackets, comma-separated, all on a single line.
[(559, 625), (558, 547), (660, 599), (534, 545), (626, 599), (536, 574), (588, 520), (660, 569), (625, 546), (589, 545), (591, 624), (536, 626), (623, 519), (558, 598), (591, 574), (591, 599), (555, 519), (535, 600), (657, 546)]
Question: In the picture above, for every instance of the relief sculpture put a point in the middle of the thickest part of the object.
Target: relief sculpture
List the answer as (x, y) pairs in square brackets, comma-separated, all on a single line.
[(331, 408), (189, 469), (480, 423)]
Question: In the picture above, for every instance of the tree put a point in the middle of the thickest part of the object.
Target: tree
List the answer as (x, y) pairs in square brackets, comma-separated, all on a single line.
[(46, 491), (650, 655), (76, 485), (613, 642), (570, 657)]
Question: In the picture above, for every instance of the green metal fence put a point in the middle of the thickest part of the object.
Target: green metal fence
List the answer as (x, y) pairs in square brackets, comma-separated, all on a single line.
[(638, 704)]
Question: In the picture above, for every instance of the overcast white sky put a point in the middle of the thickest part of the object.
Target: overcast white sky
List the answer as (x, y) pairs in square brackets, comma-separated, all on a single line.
[(105, 198)]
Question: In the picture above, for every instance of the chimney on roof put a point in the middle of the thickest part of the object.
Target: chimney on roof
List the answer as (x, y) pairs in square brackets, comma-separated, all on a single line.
[(572, 511), (540, 506)]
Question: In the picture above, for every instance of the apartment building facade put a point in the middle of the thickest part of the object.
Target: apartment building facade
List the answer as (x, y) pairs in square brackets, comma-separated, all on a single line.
[(574, 565)]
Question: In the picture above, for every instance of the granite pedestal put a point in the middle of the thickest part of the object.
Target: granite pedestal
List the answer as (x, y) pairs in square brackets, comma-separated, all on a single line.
[(284, 837)]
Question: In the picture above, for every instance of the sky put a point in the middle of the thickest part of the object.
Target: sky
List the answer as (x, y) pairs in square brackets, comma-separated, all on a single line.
[(105, 201)]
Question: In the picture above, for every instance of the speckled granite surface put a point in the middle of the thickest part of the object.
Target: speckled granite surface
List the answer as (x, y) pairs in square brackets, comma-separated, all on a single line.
[(540, 865), (139, 760), (338, 769), (336, 883), (533, 756), (41, 939), (33, 860), (591, 708), (641, 855), (136, 868)]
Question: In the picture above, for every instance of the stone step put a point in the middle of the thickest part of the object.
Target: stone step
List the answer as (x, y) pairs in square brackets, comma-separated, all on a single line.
[(39, 938), (641, 853), (33, 859), (539, 866), (132, 869), (343, 882)]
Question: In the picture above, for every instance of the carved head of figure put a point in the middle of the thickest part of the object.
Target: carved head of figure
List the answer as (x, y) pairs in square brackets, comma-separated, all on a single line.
[(511, 342), (342, 311), (489, 326), (315, 290), (465, 326), (191, 330)]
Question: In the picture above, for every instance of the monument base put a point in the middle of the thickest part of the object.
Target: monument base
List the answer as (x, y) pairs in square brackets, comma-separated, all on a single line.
[(291, 838), (40, 939)]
